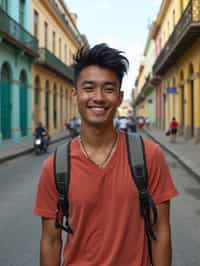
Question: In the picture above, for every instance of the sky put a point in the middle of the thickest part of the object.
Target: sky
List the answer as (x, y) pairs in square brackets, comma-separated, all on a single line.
[(121, 24)]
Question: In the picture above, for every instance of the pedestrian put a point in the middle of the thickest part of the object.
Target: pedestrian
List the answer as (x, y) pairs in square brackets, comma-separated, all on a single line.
[(173, 129), (148, 122), (140, 121), (104, 205), (132, 124), (116, 122), (123, 123)]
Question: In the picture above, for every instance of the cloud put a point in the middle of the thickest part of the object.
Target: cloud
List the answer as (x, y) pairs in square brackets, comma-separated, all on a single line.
[(156, 3), (101, 5)]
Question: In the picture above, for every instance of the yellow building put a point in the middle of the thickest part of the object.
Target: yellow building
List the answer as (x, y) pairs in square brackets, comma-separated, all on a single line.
[(138, 104), (125, 108), (52, 76), (178, 64)]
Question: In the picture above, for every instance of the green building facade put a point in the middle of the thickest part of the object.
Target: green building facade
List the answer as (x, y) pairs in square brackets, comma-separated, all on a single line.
[(18, 50)]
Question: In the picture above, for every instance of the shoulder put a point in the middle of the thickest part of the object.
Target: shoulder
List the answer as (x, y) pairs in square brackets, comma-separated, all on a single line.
[(48, 165), (152, 150)]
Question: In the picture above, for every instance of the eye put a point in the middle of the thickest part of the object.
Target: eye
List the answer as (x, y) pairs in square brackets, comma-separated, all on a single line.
[(109, 89), (88, 88)]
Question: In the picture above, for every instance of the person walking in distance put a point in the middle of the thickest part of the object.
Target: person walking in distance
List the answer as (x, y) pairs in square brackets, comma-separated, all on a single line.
[(104, 203), (173, 129)]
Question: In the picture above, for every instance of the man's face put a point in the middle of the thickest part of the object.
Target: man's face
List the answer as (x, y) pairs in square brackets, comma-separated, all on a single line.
[(98, 95)]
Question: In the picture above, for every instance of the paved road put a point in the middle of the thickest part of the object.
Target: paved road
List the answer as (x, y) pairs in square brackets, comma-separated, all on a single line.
[(20, 231)]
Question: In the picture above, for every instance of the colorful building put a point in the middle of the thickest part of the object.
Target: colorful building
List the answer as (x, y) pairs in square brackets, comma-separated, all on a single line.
[(178, 64), (18, 50), (52, 76), (145, 102)]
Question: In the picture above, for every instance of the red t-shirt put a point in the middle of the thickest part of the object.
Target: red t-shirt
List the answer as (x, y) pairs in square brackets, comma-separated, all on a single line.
[(104, 209), (174, 124)]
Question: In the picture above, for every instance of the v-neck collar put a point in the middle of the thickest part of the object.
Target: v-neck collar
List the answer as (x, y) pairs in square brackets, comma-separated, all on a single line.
[(108, 165)]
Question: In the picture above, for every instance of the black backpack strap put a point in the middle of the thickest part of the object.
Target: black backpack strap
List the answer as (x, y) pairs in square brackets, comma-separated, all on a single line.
[(62, 179), (137, 162)]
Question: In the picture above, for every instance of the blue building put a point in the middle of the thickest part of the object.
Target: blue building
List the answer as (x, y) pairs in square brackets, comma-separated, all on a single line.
[(18, 50)]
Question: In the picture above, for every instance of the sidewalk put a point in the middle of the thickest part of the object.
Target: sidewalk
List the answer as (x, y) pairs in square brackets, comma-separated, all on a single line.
[(10, 150), (186, 152)]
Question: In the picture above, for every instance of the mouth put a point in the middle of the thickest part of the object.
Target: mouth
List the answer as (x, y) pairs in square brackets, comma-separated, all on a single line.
[(98, 110)]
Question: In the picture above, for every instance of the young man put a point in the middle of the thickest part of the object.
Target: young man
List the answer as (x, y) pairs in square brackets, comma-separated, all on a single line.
[(104, 206)]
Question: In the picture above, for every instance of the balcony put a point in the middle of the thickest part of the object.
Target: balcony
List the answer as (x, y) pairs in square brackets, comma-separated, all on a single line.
[(15, 34), (62, 17), (185, 33), (52, 62)]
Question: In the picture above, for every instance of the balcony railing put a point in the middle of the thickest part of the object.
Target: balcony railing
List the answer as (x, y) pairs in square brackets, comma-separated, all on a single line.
[(66, 23), (13, 32), (185, 32), (50, 60)]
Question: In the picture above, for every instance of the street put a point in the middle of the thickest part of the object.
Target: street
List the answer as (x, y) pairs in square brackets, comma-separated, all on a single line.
[(20, 230)]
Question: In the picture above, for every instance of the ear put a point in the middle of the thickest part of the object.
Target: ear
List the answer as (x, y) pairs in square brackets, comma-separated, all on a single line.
[(121, 96), (74, 94)]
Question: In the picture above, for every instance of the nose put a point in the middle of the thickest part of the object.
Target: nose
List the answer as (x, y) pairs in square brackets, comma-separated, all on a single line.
[(99, 95)]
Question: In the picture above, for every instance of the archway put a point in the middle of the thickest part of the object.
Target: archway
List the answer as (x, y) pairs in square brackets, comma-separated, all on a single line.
[(55, 106), (182, 103), (174, 98), (47, 104), (37, 99), (23, 103), (5, 101), (191, 98), (61, 106)]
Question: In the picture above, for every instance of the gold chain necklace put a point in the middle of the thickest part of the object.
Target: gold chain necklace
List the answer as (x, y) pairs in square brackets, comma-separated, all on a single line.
[(107, 157)]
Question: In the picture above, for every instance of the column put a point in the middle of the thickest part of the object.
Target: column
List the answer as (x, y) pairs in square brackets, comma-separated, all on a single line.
[(187, 126), (179, 110), (29, 110), (64, 108), (58, 110), (0, 115), (197, 107), (15, 119), (42, 105), (51, 127)]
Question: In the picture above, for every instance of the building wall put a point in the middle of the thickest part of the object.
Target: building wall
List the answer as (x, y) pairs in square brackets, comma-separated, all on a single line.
[(65, 106), (17, 61), (46, 14), (150, 107), (56, 83), (168, 17), (185, 107)]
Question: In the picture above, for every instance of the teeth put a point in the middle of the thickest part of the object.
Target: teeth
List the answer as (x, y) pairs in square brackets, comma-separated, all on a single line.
[(97, 108)]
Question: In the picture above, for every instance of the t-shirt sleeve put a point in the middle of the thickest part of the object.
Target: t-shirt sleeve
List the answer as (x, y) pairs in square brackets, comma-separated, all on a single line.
[(160, 182), (46, 196)]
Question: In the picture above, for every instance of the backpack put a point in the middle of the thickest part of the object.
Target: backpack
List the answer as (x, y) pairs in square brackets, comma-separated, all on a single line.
[(137, 164)]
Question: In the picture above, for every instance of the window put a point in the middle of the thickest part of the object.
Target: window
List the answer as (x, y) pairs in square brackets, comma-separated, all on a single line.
[(46, 35), (60, 48), (54, 42), (35, 22), (22, 12)]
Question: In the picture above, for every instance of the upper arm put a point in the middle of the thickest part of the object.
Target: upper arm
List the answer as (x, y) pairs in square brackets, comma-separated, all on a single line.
[(49, 231), (163, 221)]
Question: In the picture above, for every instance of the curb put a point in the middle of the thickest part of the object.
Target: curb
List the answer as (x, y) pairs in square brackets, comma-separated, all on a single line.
[(26, 151), (176, 156)]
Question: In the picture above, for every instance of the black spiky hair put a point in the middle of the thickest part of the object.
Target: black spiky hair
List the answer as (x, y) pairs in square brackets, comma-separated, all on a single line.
[(103, 56)]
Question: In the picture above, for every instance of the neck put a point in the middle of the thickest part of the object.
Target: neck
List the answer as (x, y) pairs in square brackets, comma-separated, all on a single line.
[(97, 137)]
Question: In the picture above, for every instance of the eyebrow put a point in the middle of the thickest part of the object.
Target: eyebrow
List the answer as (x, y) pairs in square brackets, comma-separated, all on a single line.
[(91, 82)]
